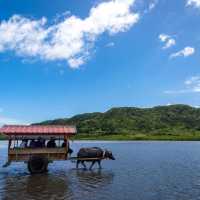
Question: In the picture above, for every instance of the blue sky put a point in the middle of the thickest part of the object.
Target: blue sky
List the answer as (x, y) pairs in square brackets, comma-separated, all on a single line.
[(66, 58)]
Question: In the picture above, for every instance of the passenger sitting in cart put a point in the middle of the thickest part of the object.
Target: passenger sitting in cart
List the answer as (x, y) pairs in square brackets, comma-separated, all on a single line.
[(24, 143), (66, 143), (51, 143), (37, 159), (32, 144), (39, 143)]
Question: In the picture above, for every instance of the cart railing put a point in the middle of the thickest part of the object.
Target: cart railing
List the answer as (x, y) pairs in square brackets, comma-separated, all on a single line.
[(23, 154)]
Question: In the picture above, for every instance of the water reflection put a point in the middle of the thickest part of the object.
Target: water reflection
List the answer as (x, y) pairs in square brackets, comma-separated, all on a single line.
[(46, 186), (61, 185), (96, 179), (91, 184)]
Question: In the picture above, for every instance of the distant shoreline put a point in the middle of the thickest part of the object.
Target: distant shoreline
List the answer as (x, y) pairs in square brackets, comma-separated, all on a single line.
[(140, 137), (136, 137)]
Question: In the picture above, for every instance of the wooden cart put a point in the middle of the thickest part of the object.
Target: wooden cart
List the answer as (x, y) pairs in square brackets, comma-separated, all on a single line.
[(37, 158)]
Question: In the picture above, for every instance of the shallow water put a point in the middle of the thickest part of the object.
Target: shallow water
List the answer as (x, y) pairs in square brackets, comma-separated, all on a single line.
[(142, 171)]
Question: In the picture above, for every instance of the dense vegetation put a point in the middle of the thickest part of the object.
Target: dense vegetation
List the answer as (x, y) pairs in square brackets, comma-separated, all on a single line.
[(160, 120)]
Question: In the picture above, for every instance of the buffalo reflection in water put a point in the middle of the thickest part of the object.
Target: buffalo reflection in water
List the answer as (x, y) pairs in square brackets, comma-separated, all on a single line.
[(69, 184), (87, 180)]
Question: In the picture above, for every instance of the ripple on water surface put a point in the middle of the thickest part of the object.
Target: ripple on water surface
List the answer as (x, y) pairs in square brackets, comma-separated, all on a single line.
[(142, 170)]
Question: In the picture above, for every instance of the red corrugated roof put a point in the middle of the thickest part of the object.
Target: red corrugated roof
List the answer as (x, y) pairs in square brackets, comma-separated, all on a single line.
[(37, 130)]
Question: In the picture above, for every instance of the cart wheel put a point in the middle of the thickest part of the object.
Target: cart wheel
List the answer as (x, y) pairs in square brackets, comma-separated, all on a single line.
[(37, 164)]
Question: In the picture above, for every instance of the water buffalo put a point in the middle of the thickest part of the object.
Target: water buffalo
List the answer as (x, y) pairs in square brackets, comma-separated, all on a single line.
[(95, 152)]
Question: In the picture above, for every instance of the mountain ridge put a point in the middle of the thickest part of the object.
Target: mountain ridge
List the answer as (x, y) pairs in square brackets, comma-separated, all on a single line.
[(173, 119)]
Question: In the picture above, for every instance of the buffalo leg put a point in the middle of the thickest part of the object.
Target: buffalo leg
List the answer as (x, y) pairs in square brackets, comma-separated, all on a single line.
[(93, 162), (83, 163), (99, 163), (77, 163)]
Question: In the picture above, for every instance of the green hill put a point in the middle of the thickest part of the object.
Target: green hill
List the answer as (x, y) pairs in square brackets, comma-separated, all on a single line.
[(160, 120)]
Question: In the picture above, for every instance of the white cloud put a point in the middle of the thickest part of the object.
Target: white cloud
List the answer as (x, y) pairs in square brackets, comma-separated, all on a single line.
[(191, 85), (175, 91), (195, 3), (196, 106), (151, 5), (167, 40), (7, 120), (76, 62), (163, 37), (187, 51), (170, 43), (110, 44), (169, 104), (71, 39)]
